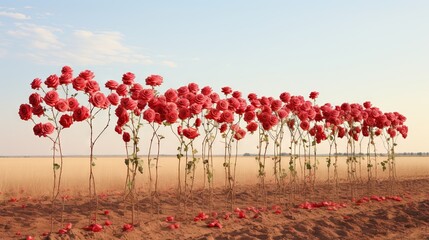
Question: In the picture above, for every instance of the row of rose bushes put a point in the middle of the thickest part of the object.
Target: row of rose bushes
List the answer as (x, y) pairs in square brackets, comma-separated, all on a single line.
[(200, 112)]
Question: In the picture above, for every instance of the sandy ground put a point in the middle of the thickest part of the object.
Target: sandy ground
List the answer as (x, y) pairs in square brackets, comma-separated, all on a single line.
[(374, 213)]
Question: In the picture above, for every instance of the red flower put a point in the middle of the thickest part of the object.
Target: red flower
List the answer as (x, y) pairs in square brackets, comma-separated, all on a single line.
[(122, 90), (51, 98), (113, 98), (92, 87), (52, 81), (305, 125), (126, 137), (146, 95), (111, 84), (80, 114), (190, 133), (239, 134), (223, 128), (35, 99), (25, 112), (128, 103), (128, 78), (36, 83), (226, 116), (314, 95), (171, 117), (154, 80), (252, 126), (285, 97), (98, 99), (66, 121), (62, 105), (73, 103), (43, 130), (226, 90), (79, 83), (193, 88), (206, 90), (127, 227), (149, 115)]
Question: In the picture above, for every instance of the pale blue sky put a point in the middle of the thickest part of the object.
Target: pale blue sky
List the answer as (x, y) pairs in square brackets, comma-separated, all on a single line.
[(349, 51)]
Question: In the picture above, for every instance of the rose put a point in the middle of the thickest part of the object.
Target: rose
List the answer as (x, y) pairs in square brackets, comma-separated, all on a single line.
[(113, 99), (25, 112), (367, 104), (184, 113), (223, 128), (149, 115), (190, 133), (285, 97), (35, 99), (36, 83), (154, 80), (252, 126), (92, 87), (73, 103), (43, 130), (38, 110), (126, 137), (239, 134), (170, 95), (236, 94), (314, 95), (66, 70), (249, 116), (206, 90), (214, 97), (79, 83), (183, 103), (51, 98), (62, 105), (66, 78), (87, 75), (276, 105), (305, 125), (182, 91), (128, 78), (38, 129), (118, 129), (171, 116), (193, 88), (111, 84), (226, 116), (122, 90), (226, 90), (199, 98), (196, 108), (146, 95), (80, 114), (99, 100), (66, 121), (128, 103), (52, 81), (222, 105)]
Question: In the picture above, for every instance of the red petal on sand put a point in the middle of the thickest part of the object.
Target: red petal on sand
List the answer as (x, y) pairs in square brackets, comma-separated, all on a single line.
[(169, 219), (62, 231), (127, 227), (107, 223), (106, 212), (29, 238), (68, 226)]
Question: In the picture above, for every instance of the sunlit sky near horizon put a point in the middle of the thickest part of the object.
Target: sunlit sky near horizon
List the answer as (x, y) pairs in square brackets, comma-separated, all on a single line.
[(349, 51)]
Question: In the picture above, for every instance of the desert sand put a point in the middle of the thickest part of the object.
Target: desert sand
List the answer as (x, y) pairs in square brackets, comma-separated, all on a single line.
[(376, 213)]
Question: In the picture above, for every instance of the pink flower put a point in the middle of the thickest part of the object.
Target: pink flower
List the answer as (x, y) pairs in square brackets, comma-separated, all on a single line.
[(154, 80), (36, 83)]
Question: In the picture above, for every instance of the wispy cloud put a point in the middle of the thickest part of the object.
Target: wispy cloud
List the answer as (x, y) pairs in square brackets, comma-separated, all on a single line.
[(48, 45), (169, 63), (15, 15)]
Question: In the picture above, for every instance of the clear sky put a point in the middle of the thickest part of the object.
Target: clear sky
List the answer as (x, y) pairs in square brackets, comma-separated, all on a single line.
[(349, 51)]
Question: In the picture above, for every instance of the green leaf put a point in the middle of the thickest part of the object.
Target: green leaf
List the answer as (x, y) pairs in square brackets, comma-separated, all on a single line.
[(56, 166)]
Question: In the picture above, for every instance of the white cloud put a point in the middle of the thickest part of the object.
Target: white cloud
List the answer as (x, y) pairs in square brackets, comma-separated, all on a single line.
[(48, 45), (15, 15)]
